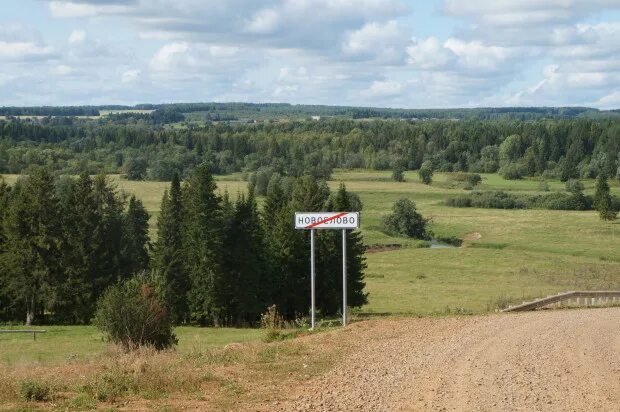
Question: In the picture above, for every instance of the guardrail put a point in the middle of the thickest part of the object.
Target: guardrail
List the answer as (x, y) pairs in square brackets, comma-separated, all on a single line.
[(577, 298), (33, 331)]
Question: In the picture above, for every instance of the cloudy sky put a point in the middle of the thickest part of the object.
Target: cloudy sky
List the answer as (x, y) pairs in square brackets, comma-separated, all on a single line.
[(397, 53)]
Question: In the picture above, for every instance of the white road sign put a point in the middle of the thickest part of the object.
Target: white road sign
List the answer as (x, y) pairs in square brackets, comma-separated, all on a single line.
[(327, 220)]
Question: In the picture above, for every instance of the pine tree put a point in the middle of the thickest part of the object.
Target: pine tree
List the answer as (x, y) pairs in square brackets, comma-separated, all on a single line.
[(203, 247), (602, 199), (168, 252)]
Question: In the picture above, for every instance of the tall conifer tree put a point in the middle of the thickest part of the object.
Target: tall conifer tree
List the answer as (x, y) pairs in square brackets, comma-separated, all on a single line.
[(203, 245), (602, 199), (168, 252), (136, 237)]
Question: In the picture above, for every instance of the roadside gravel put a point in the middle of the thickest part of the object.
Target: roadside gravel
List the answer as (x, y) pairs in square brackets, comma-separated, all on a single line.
[(535, 361)]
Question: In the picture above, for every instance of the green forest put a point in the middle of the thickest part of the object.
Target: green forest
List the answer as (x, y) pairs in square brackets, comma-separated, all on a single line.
[(65, 236), (216, 261), (553, 148)]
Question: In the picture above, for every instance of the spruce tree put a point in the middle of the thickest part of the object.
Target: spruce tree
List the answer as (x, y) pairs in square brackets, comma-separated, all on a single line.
[(168, 252), (136, 237), (246, 261), (203, 247), (602, 199), (108, 263), (33, 234), (74, 299), (356, 262)]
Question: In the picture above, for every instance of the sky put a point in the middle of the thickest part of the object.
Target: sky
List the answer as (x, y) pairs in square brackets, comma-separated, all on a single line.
[(381, 53)]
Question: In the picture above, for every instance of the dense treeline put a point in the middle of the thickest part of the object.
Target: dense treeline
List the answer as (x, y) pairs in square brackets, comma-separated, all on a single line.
[(50, 111), (230, 111), (552, 148), (224, 262), (216, 261), (62, 242)]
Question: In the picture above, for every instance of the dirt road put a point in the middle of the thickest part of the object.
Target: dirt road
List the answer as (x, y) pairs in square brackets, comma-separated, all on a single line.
[(552, 360)]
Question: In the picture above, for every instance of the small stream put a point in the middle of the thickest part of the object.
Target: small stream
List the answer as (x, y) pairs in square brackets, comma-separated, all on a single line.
[(436, 244)]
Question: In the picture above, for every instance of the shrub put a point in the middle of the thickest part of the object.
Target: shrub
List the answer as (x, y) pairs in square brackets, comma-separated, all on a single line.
[(543, 186), (272, 319), (131, 314), (426, 173), (398, 174), (135, 168), (472, 179), (512, 171), (561, 201), (574, 186), (488, 200), (406, 221), (32, 390)]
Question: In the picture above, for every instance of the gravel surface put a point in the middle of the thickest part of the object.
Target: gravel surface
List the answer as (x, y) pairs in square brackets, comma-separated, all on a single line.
[(537, 361)]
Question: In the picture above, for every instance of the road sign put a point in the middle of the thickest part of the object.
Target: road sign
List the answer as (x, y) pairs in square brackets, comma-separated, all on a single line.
[(327, 220)]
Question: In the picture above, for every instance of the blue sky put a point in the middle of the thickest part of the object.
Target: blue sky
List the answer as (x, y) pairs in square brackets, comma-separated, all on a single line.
[(397, 53)]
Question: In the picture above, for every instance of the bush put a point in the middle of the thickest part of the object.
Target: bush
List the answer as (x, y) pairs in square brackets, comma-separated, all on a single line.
[(32, 390), (543, 186), (131, 314), (398, 174), (574, 186), (472, 179), (426, 173), (512, 171), (272, 319), (488, 200), (406, 221), (135, 168), (561, 201)]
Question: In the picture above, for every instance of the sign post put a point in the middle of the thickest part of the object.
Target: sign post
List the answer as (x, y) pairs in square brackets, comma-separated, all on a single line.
[(327, 220), (344, 277)]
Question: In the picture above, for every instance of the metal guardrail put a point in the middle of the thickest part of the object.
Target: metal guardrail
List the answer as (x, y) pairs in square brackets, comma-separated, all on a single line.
[(33, 331), (576, 298)]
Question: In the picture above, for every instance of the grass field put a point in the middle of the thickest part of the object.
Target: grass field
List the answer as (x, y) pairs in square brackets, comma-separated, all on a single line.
[(507, 256), (61, 344), (519, 253)]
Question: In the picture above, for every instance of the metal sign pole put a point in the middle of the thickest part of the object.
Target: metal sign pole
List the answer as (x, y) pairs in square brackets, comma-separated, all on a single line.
[(344, 277), (312, 276)]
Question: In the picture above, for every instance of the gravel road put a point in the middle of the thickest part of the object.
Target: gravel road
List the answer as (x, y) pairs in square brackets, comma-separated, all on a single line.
[(537, 361)]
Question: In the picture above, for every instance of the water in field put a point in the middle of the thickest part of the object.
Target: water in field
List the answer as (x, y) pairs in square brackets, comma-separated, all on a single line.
[(435, 244)]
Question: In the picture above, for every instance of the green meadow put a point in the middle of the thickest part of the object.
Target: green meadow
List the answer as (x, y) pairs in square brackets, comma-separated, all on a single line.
[(507, 255)]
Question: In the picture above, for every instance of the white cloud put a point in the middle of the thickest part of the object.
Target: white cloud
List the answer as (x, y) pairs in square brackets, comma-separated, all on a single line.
[(75, 9), (170, 55), (20, 51), (383, 88), (264, 21), (130, 76), (382, 42), (62, 70), (429, 54), (77, 36)]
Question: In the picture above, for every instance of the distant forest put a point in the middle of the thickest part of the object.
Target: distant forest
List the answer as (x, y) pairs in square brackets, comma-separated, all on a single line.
[(132, 143), (262, 111)]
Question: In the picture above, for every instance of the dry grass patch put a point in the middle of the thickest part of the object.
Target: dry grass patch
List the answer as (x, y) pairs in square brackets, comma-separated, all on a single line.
[(240, 376)]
